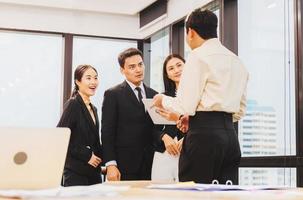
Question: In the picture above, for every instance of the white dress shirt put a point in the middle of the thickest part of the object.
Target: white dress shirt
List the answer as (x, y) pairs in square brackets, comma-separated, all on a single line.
[(133, 87), (213, 79)]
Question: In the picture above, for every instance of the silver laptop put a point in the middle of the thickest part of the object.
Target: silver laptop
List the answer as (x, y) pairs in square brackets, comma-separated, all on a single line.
[(32, 158)]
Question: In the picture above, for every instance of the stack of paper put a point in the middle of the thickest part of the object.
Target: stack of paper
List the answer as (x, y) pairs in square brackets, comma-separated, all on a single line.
[(211, 187), (93, 190)]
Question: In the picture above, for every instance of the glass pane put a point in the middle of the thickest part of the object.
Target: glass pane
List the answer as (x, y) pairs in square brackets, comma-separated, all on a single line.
[(159, 51), (103, 55), (268, 176), (30, 79), (266, 46)]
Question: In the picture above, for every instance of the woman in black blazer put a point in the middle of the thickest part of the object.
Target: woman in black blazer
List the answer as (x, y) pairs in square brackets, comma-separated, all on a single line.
[(83, 161), (169, 142)]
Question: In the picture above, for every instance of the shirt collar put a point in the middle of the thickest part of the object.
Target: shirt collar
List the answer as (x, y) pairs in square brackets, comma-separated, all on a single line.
[(211, 42), (133, 86)]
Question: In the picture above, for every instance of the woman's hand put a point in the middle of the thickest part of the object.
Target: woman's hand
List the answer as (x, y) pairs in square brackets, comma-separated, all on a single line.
[(179, 144), (94, 160), (170, 145)]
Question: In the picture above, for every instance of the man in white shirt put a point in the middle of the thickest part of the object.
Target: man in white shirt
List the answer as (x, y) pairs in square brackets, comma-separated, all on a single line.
[(212, 92)]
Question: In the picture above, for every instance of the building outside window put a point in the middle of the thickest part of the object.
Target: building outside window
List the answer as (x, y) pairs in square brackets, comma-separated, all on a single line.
[(266, 46)]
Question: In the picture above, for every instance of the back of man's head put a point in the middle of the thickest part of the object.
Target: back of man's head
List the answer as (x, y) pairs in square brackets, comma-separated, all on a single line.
[(128, 53), (204, 22)]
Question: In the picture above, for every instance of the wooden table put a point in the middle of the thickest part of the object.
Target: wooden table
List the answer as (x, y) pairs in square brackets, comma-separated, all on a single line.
[(138, 191)]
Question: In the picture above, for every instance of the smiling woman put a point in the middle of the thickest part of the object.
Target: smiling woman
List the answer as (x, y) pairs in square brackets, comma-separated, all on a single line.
[(169, 143), (86, 81), (83, 161)]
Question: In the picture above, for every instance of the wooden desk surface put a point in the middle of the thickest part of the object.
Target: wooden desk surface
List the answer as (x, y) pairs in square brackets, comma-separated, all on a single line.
[(138, 191)]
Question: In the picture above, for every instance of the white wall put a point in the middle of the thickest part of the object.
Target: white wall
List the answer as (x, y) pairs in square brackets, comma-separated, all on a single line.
[(176, 10), (68, 21), (90, 23)]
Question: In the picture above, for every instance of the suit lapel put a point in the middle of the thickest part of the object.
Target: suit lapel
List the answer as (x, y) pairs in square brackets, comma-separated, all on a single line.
[(130, 93), (87, 114), (96, 117), (148, 92)]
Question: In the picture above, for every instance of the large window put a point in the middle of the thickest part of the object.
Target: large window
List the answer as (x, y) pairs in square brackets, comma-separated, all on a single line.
[(266, 46), (30, 79), (103, 55), (268, 176), (159, 51)]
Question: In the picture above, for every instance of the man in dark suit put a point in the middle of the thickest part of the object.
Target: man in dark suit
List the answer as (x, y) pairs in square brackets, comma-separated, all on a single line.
[(126, 127)]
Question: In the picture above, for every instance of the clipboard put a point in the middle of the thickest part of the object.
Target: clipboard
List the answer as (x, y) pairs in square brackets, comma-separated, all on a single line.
[(157, 118)]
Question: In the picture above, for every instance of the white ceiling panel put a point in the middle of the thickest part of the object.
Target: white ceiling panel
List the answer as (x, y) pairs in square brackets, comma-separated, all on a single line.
[(122, 7)]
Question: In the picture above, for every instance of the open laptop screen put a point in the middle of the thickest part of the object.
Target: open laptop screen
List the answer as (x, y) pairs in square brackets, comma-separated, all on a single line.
[(32, 158)]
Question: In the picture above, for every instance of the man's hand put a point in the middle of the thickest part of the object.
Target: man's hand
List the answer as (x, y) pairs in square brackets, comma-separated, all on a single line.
[(113, 173), (170, 145), (171, 116), (182, 124), (94, 160), (157, 101)]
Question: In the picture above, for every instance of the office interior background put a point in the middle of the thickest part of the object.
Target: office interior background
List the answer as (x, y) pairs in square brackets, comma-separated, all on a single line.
[(41, 43)]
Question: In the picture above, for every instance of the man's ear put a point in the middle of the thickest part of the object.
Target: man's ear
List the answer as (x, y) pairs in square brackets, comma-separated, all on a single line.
[(191, 33)]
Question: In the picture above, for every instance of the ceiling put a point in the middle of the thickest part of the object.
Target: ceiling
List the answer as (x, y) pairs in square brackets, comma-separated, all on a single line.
[(121, 7)]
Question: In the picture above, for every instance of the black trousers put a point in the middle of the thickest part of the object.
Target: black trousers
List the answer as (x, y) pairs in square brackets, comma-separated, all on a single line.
[(70, 178), (143, 171), (210, 149)]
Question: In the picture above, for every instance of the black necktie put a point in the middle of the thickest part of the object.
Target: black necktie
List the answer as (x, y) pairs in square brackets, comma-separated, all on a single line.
[(139, 94)]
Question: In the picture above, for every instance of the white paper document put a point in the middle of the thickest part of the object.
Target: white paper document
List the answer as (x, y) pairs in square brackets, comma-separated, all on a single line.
[(212, 187), (74, 191), (152, 111)]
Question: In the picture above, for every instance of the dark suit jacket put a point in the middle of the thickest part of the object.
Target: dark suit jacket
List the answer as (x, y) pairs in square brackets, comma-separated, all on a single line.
[(126, 130), (84, 138)]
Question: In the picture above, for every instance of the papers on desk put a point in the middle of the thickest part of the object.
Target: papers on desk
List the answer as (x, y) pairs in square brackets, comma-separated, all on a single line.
[(29, 193), (212, 187), (152, 111), (74, 191), (93, 190)]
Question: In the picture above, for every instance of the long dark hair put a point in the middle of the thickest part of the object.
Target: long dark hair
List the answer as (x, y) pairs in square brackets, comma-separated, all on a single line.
[(169, 85), (78, 74)]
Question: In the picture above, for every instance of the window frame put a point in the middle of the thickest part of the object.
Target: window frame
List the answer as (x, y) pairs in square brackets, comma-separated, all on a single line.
[(229, 37), (230, 40)]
